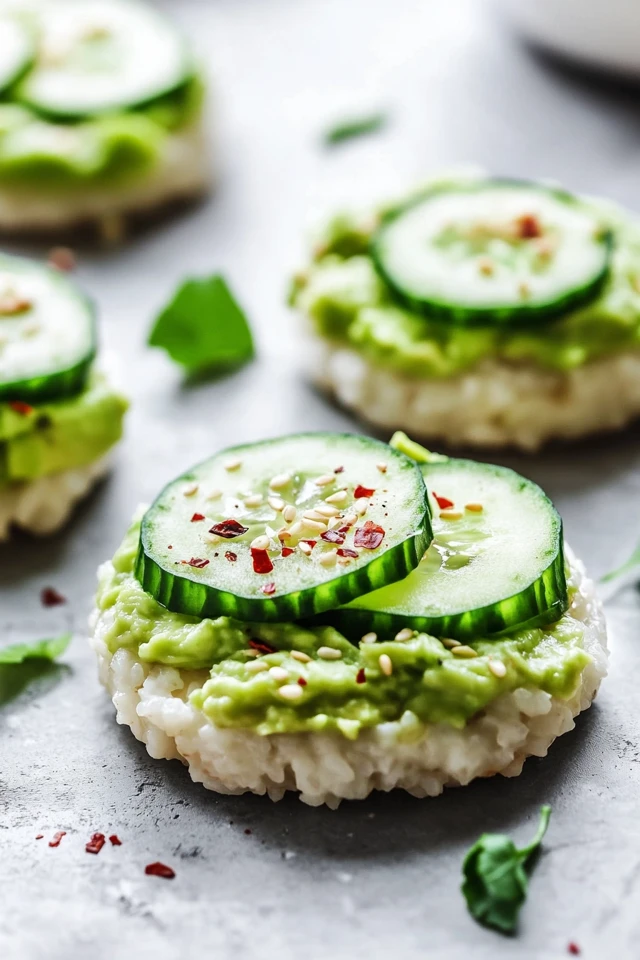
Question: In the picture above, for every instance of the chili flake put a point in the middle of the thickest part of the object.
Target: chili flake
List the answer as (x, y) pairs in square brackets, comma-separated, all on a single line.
[(370, 536), (198, 562), (287, 551), (261, 647), (333, 536), (443, 502), (228, 529), (347, 552), (19, 406), (197, 517), (57, 837), (302, 681), (96, 843), (573, 949), (49, 597), (269, 589), (159, 870), (231, 556), (261, 561), (39, 836), (115, 840), (339, 470), (528, 227), (361, 491), (311, 543), (62, 258), (360, 677)]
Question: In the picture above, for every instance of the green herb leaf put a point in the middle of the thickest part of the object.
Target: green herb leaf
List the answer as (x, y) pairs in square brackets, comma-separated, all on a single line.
[(356, 127), (203, 328), (496, 878), (627, 567), (40, 650)]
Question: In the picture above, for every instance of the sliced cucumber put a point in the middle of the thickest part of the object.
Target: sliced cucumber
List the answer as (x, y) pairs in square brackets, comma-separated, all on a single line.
[(17, 48), (493, 252), (496, 563), (97, 56), (47, 333), (199, 548)]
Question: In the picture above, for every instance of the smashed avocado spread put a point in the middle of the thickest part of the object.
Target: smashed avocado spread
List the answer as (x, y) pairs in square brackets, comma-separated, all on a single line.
[(346, 694), (349, 303), (51, 437)]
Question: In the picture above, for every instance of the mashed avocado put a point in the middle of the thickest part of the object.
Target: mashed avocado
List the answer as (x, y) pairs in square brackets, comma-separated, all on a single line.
[(348, 303), (61, 435), (346, 694)]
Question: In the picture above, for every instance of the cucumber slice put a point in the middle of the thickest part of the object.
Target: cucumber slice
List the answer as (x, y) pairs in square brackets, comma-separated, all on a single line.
[(198, 552), (496, 563), (494, 252), (17, 48), (98, 56), (47, 333)]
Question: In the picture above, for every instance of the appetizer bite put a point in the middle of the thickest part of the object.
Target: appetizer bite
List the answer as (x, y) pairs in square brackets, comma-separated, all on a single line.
[(479, 311), (322, 613), (59, 417), (100, 117)]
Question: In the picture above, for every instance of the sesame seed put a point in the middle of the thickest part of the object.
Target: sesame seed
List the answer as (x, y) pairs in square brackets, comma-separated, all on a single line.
[(385, 664), (449, 643), (344, 561), (405, 634), (382, 467), (325, 480), (190, 489), (328, 558), (257, 666), (260, 543), (361, 506), (369, 638), (233, 464), (349, 519), (497, 668), (289, 513), (295, 529), (326, 510), (284, 534), (450, 515), (291, 691), (315, 526), (474, 507), (276, 503), (329, 653), (341, 496), (306, 548), (278, 673), (300, 656), (254, 500), (464, 652), (214, 494), (486, 266), (313, 515), (334, 523), (280, 481)]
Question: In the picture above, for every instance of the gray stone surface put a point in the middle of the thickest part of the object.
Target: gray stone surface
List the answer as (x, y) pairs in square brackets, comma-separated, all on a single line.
[(378, 878)]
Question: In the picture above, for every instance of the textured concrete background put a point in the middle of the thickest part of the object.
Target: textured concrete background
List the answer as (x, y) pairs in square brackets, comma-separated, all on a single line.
[(378, 878)]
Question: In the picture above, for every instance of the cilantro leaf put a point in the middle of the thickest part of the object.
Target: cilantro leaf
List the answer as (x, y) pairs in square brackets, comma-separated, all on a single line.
[(356, 127), (496, 877), (627, 567), (40, 650), (203, 327)]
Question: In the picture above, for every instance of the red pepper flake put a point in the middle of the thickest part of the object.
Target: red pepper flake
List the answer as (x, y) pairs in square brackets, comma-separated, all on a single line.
[(62, 258), (19, 406), (573, 949), (360, 677), (96, 843), (39, 836), (347, 552), (261, 561), (528, 227), (115, 840), (370, 536), (197, 517), (339, 470), (196, 562), (159, 870), (248, 832), (302, 682), (261, 647), (269, 589), (49, 597), (333, 536), (287, 551), (361, 491), (231, 556), (443, 502), (57, 837), (311, 543), (228, 529)]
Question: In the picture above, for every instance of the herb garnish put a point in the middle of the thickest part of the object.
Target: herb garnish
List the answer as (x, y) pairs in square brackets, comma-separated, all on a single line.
[(496, 876), (41, 650), (627, 567), (203, 328), (355, 127)]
